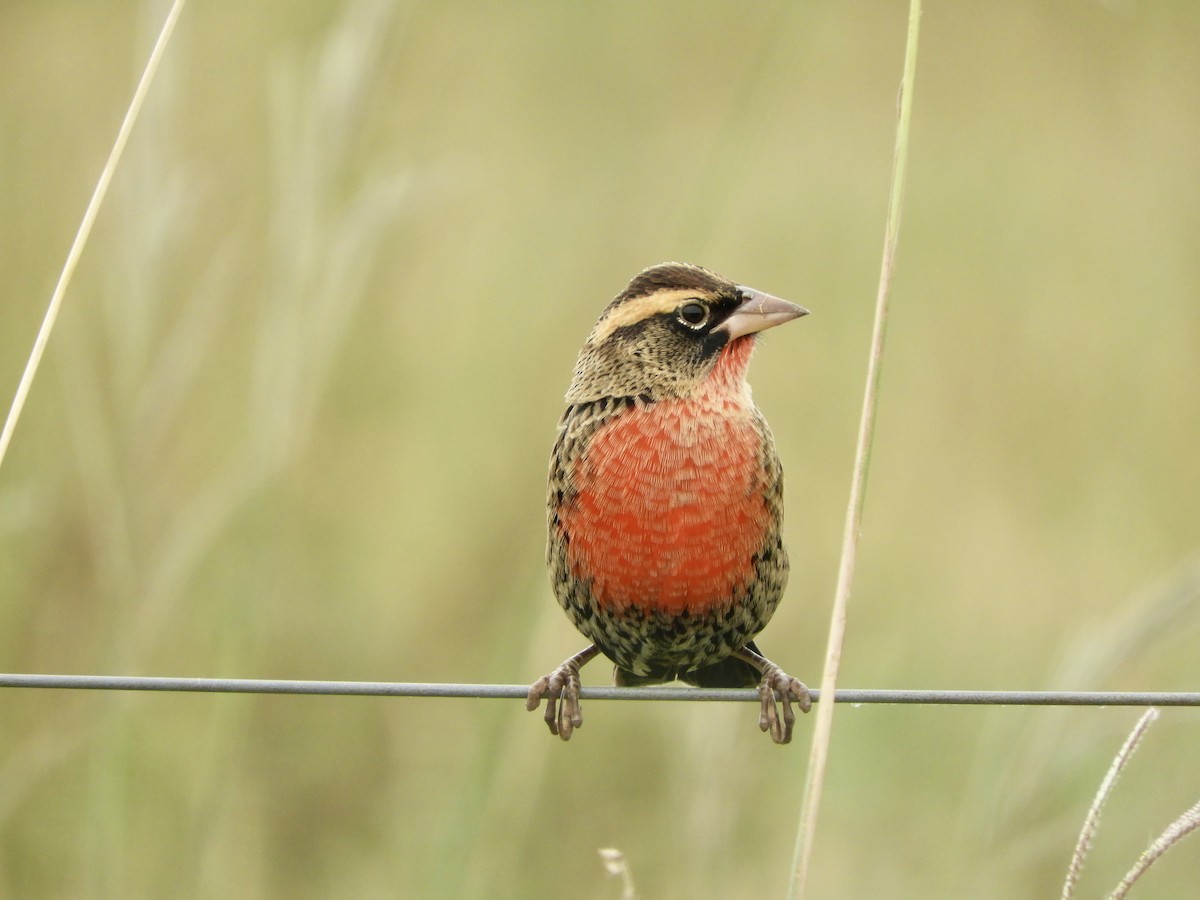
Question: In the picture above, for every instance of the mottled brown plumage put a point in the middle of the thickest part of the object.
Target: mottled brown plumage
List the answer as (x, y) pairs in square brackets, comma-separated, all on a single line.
[(665, 498)]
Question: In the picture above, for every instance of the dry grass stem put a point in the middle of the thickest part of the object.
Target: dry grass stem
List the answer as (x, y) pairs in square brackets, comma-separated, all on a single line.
[(85, 226), (823, 728), (330, 224), (615, 864), (1176, 831), (1092, 822)]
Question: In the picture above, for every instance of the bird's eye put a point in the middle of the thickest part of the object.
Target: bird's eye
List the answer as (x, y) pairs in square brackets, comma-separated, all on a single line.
[(693, 314)]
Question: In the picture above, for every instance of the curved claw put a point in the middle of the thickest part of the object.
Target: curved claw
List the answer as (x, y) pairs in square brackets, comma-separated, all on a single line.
[(778, 687), (561, 690), (775, 688)]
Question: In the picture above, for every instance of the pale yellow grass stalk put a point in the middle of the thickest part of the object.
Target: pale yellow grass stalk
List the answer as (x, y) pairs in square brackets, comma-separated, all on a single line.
[(85, 226), (823, 728), (616, 865)]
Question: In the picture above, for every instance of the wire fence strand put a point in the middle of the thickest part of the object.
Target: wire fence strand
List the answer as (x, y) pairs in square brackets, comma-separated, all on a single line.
[(519, 691)]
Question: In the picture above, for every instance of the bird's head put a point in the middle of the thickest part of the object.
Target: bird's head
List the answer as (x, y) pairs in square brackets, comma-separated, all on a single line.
[(665, 334)]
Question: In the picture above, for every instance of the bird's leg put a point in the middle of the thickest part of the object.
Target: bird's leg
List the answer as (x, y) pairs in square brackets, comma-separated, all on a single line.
[(776, 685), (561, 690)]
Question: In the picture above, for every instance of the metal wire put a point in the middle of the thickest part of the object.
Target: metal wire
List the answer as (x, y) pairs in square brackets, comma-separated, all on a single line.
[(519, 691)]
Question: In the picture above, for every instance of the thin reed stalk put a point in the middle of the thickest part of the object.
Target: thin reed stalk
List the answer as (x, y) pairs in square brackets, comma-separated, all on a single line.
[(1091, 822), (85, 226), (1188, 822), (823, 728)]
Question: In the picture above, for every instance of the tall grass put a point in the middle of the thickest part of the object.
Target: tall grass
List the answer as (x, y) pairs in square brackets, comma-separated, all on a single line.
[(295, 418)]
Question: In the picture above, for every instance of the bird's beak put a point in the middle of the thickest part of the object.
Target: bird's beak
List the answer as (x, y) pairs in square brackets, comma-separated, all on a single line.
[(758, 312)]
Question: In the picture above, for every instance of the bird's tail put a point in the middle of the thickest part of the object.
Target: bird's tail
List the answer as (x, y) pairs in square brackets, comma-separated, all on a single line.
[(730, 672)]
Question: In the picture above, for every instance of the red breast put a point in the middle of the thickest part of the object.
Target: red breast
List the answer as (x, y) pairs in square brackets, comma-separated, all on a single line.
[(669, 508)]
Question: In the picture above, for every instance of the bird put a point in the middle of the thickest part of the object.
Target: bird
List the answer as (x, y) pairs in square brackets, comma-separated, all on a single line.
[(664, 501)]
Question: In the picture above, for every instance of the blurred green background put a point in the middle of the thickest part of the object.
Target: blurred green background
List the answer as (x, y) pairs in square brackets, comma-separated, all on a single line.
[(295, 418)]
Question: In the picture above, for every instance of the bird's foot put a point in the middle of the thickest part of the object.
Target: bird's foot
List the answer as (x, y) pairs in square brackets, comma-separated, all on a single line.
[(777, 685), (777, 688), (561, 690)]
